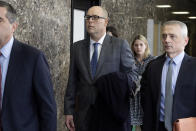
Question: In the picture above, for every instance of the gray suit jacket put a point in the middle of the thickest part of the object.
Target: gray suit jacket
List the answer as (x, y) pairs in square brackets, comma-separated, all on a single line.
[(115, 56)]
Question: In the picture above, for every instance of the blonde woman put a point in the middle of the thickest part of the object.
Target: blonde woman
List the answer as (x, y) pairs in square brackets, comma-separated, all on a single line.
[(142, 56)]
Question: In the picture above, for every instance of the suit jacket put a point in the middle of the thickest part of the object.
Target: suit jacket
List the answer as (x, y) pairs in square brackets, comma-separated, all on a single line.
[(184, 94), (111, 109), (80, 94), (28, 100)]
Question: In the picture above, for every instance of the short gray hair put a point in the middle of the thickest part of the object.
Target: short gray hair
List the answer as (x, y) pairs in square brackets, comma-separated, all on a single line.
[(184, 29)]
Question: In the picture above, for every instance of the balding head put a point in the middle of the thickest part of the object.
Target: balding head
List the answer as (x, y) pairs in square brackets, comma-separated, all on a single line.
[(96, 22), (103, 11)]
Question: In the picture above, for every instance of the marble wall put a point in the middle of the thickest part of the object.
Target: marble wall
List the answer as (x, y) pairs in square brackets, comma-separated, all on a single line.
[(46, 24), (129, 16)]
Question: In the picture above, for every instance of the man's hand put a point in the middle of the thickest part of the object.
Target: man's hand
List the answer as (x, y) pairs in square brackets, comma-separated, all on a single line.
[(69, 122)]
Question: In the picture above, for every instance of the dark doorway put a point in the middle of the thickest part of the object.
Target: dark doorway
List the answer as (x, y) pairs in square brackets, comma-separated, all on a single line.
[(78, 11)]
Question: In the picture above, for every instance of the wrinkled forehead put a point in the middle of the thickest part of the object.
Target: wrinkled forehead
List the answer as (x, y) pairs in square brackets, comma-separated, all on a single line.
[(95, 11), (171, 29)]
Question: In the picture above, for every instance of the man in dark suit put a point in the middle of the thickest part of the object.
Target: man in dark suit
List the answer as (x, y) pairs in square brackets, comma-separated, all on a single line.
[(26, 98), (168, 83), (113, 55)]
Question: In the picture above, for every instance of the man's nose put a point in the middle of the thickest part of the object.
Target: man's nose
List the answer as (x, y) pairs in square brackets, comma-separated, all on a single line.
[(167, 38), (90, 19)]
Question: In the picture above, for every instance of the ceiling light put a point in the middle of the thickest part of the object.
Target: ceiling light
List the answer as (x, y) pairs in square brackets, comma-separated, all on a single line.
[(139, 17), (163, 6), (192, 17), (180, 12)]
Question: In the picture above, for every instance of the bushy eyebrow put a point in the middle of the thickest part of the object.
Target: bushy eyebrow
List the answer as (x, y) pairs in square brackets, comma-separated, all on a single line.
[(167, 34), (170, 34)]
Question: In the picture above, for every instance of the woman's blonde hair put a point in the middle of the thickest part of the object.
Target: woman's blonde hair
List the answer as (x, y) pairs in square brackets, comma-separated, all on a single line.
[(142, 38)]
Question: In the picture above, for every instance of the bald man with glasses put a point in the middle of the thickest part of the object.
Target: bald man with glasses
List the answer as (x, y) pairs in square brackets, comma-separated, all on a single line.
[(90, 59)]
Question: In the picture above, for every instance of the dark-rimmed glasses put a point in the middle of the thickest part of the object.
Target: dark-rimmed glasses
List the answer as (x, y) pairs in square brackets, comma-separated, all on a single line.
[(93, 17)]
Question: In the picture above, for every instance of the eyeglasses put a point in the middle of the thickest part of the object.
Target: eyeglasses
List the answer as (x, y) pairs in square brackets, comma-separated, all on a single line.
[(94, 17)]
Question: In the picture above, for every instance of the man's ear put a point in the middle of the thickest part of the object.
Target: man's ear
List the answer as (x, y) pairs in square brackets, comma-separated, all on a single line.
[(186, 40), (106, 21), (14, 26)]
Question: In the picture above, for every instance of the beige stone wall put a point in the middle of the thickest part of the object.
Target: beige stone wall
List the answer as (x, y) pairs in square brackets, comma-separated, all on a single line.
[(130, 18), (124, 15)]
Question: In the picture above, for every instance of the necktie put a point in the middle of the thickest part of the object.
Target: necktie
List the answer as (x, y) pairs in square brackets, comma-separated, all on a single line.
[(94, 59), (168, 98)]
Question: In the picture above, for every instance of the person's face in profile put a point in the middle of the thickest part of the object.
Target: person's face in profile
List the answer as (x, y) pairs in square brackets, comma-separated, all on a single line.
[(139, 47), (6, 28), (96, 24)]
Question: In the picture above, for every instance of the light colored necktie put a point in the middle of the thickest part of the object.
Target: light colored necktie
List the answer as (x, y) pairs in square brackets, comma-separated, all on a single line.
[(168, 98), (94, 59)]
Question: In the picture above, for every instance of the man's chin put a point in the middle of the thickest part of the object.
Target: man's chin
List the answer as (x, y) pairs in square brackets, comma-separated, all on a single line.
[(169, 51), (91, 32)]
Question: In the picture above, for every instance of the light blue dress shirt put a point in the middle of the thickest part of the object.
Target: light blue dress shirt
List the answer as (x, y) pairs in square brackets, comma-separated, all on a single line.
[(176, 67), (4, 61)]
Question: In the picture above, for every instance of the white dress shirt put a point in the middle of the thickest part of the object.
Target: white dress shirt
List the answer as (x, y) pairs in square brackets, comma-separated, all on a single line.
[(99, 46)]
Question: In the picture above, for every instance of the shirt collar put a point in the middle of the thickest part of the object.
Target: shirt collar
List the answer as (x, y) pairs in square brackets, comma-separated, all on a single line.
[(177, 59), (6, 49), (100, 40)]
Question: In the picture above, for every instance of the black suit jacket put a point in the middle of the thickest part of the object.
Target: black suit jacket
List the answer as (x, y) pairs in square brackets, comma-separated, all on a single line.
[(111, 109), (28, 100), (184, 96)]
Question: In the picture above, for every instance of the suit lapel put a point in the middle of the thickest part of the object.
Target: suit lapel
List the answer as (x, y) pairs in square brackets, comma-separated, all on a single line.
[(104, 49), (86, 58), (179, 82), (181, 73), (159, 77), (12, 70)]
